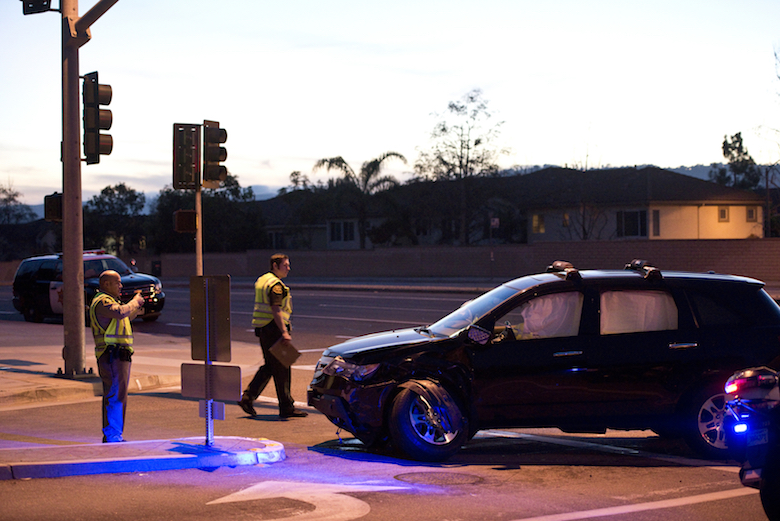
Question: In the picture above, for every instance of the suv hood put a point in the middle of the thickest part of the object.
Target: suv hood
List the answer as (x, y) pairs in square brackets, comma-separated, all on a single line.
[(376, 342), (131, 280)]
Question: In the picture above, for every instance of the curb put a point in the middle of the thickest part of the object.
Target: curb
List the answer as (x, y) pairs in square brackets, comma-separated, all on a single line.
[(141, 456), (85, 389)]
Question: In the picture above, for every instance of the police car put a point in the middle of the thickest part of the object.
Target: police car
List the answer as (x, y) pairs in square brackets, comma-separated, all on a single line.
[(37, 286)]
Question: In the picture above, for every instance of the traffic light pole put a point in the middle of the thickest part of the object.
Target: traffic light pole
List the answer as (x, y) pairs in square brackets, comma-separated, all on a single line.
[(198, 233), (75, 33), (72, 217)]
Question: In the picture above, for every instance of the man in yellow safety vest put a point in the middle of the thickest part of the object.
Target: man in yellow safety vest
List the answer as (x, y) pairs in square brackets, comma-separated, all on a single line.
[(271, 320), (110, 321)]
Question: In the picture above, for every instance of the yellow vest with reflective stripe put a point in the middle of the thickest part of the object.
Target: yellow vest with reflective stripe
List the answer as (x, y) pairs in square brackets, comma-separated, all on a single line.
[(262, 313), (118, 332)]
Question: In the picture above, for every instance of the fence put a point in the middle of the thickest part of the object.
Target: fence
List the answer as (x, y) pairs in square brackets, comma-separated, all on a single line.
[(752, 257)]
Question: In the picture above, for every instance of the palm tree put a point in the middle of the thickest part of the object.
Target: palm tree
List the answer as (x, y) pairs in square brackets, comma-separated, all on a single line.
[(368, 182)]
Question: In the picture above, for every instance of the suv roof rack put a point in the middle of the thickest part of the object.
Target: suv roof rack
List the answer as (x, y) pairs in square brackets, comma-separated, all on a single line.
[(643, 266), (565, 267), (88, 252)]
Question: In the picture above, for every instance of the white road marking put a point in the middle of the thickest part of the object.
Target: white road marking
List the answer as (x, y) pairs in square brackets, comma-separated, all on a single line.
[(641, 507), (603, 447), (329, 503), (353, 319)]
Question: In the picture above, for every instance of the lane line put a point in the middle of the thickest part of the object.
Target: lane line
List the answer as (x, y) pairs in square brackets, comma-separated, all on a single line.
[(602, 447), (642, 507)]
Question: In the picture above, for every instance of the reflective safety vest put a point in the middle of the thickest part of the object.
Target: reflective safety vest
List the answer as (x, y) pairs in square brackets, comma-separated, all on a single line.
[(118, 332), (262, 313)]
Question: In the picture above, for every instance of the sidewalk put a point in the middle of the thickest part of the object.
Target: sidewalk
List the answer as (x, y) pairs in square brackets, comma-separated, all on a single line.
[(136, 456), (32, 378)]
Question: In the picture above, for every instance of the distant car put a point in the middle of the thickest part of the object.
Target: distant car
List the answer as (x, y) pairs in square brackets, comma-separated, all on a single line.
[(579, 350), (37, 286)]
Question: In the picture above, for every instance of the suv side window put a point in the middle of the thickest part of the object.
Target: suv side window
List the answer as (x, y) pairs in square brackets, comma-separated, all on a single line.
[(635, 311), (714, 312), (92, 269), (47, 270), (26, 270), (546, 316)]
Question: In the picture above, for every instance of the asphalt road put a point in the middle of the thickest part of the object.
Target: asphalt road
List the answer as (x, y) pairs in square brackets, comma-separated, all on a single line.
[(511, 474)]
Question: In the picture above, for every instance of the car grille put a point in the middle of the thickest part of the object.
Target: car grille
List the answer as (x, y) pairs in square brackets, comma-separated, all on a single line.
[(147, 292)]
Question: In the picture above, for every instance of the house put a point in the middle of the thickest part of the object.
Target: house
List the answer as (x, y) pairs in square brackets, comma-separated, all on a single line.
[(630, 203), (553, 204)]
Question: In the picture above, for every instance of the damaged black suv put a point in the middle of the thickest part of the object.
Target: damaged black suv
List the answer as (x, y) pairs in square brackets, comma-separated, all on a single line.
[(583, 351)]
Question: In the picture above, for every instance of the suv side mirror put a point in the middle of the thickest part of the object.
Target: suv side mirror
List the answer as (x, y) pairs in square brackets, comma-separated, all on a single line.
[(478, 335)]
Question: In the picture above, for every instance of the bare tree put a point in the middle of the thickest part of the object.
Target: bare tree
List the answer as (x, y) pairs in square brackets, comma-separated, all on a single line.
[(12, 210), (462, 147), (742, 169), (586, 223)]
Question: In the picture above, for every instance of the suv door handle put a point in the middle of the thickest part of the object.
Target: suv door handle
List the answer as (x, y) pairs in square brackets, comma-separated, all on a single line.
[(683, 345)]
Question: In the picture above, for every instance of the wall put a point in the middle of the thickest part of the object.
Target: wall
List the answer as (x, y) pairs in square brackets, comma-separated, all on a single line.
[(755, 258)]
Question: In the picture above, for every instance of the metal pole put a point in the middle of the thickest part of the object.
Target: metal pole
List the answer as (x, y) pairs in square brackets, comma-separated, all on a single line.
[(209, 299), (198, 233), (72, 218), (91, 16)]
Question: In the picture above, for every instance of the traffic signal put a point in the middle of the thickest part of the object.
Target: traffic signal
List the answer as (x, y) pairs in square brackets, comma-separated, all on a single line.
[(213, 154), (186, 156), (35, 6), (96, 119), (52, 207)]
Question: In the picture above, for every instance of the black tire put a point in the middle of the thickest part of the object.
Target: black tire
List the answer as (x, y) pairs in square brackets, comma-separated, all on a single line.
[(427, 428), (150, 318), (703, 420), (770, 497), (32, 313)]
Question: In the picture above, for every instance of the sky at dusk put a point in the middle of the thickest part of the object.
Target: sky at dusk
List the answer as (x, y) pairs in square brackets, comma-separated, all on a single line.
[(577, 83)]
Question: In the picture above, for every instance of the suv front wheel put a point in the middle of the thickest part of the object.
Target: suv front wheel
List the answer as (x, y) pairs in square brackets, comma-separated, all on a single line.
[(31, 312), (427, 425)]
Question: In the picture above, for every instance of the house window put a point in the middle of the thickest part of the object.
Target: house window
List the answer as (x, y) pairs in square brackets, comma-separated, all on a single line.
[(632, 224), (276, 240), (752, 214), (342, 231), (421, 227), (537, 223), (566, 221), (723, 214), (335, 231), (349, 231), (656, 223)]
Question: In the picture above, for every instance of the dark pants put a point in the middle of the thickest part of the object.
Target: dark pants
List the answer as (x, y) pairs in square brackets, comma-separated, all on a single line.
[(272, 368), (115, 374)]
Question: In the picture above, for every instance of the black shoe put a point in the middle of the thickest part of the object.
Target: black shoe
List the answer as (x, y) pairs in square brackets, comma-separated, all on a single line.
[(246, 404), (295, 413)]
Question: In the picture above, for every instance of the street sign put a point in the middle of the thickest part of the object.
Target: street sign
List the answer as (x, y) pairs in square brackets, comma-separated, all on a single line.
[(225, 382), (210, 317)]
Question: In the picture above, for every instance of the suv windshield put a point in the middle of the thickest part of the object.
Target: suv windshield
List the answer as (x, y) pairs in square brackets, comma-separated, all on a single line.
[(94, 267), (471, 311)]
